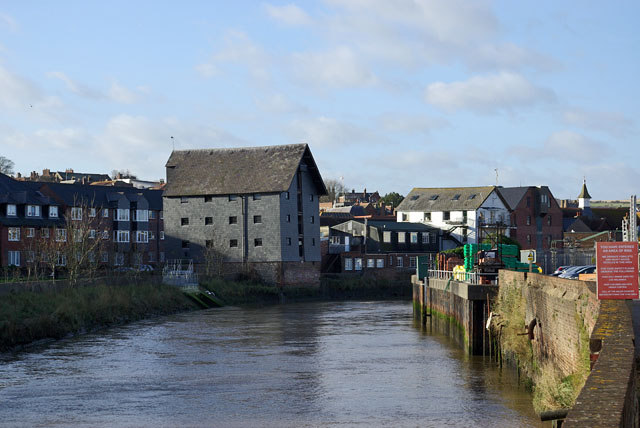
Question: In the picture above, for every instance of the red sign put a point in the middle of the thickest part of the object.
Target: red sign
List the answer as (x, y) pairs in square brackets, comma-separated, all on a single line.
[(617, 269)]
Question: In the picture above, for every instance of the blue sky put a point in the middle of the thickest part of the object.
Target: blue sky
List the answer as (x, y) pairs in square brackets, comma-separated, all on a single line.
[(390, 95)]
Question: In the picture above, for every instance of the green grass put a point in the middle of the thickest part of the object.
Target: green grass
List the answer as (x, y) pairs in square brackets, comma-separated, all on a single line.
[(27, 316)]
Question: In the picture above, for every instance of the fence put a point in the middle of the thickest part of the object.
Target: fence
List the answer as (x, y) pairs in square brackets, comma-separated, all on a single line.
[(550, 260), (180, 273), (473, 278)]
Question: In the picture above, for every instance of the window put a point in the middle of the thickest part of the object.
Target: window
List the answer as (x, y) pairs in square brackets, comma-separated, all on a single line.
[(118, 259), (14, 258), (528, 239), (208, 221), (412, 262), (53, 212), (92, 212), (121, 235), (31, 232), (465, 216), (161, 256), (61, 235), (405, 217), (456, 197), (33, 210), (348, 263), (414, 237), (549, 240), (233, 243), (11, 210), (105, 212), (77, 235), (358, 263), (386, 236), (286, 195), (92, 234), (528, 220), (472, 196), (257, 219), (312, 220), (427, 216), (152, 236), (426, 238), (161, 215), (105, 257), (162, 235), (371, 263), (399, 261), (142, 236), (549, 220), (257, 242), (233, 220), (61, 259), (76, 213), (152, 215), (288, 218), (141, 215), (390, 260), (401, 237), (14, 234), (185, 244), (105, 234), (208, 243), (45, 232), (121, 215), (152, 257), (233, 197), (313, 242), (184, 200), (257, 196), (208, 198), (184, 221), (380, 263), (446, 215), (31, 256), (288, 241), (311, 198)]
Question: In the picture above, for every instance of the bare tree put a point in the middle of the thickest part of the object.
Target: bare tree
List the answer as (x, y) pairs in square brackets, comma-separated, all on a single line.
[(334, 187), (6, 165), (214, 259)]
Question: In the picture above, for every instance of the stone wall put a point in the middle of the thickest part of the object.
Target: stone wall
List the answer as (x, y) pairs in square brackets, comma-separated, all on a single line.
[(563, 310)]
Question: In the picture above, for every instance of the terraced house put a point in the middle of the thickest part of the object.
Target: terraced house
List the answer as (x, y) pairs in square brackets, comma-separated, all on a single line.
[(257, 207), (124, 225)]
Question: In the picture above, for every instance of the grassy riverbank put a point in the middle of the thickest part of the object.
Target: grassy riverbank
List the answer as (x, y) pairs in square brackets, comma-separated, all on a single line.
[(331, 288), (26, 317)]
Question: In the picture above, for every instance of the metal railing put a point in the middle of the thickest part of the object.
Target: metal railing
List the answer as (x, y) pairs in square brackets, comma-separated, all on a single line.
[(180, 273), (473, 278)]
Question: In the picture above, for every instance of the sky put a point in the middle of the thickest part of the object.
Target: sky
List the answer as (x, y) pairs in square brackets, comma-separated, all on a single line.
[(389, 94)]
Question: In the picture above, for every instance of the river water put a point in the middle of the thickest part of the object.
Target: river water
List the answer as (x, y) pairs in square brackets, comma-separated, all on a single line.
[(360, 364)]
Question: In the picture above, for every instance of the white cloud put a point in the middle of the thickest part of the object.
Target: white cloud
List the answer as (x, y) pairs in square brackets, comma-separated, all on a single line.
[(612, 123), (289, 14), (573, 147), (330, 132), (411, 123), (239, 50), (279, 103), (17, 92), (509, 56), (487, 94), (337, 68), (123, 95), (74, 86)]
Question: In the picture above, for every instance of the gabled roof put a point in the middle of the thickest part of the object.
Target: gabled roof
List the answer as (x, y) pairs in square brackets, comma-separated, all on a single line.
[(96, 196), (80, 175), (445, 199), (241, 170), (21, 192), (512, 195)]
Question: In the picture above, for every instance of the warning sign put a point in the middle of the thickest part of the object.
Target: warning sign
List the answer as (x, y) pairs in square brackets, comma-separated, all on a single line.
[(617, 270)]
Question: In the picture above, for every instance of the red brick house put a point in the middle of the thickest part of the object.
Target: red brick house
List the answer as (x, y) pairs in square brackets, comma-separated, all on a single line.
[(536, 217)]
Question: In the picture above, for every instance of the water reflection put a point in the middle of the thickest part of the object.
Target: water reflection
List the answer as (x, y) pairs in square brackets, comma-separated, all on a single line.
[(312, 364)]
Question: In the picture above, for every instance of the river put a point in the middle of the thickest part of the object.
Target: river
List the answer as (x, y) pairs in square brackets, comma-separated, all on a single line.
[(360, 364)]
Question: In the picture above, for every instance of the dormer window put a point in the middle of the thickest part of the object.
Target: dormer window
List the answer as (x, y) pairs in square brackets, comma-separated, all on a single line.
[(472, 196), (53, 211), (456, 197), (33, 210), (11, 210), (414, 197), (433, 197)]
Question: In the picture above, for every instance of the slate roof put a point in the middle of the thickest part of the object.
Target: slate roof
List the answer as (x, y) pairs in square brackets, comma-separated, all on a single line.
[(445, 199), (70, 194), (243, 170), (512, 195), (80, 175), (21, 192)]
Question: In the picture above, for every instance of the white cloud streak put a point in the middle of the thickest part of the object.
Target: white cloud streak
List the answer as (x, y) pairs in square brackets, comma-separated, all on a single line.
[(613, 123), (289, 14)]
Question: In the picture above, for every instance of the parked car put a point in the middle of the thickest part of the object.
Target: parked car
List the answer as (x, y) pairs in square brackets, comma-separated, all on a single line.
[(145, 268), (568, 271), (583, 269), (560, 270)]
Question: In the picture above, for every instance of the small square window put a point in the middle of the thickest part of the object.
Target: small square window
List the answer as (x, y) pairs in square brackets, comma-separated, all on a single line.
[(311, 198), (257, 219), (208, 243), (288, 218), (105, 212), (185, 244), (233, 243), (208, 221), (184, 200), (257, 196), (289, 241), (162, 236), (257, 242), (233, 220), (208, 198), (233, 197), (286, 195), (184, 221)]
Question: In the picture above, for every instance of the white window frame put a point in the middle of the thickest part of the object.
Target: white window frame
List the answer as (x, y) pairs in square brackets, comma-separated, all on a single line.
[(61, 235), (53, 211), (412, 261), (399, 261), (105, 234), (105, 257), (118, 259), (141, 216), (121, 236), (348, 263), (357, 263), (61, 259), (14, 234), (162, 235), (30, 232), (121, 214), (92, 234), (386, 236), (76, 213), (426, 238), (380, 263), (44, 232), (33, 210), (371, 263), (142, 236), (105, 212), (12, 210), (414, 237), (92, 212), (402, 237), (152, 215), (152, 236), (13, 258)]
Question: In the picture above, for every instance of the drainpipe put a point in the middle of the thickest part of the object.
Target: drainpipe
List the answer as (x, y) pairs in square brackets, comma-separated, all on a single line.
[(245, 226)]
